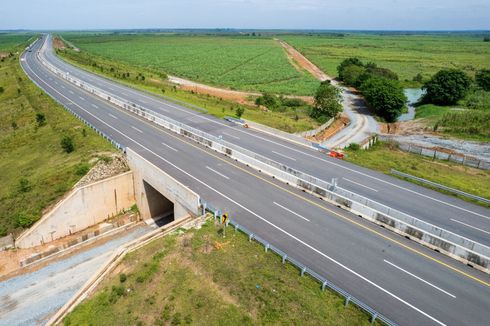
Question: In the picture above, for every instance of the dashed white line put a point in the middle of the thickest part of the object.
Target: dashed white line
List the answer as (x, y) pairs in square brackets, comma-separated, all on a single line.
[(62, 86), (470, 226), (82, 98), (420, 279), (175, 150), (285, 156), (230, 135), (136, 129), (218, 173), (71, 92), (359, 184), (290, 211), (113, 116), (95, 106)]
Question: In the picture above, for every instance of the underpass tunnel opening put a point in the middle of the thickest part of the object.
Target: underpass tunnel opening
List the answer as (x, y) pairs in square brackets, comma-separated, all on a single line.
[(160, 207)]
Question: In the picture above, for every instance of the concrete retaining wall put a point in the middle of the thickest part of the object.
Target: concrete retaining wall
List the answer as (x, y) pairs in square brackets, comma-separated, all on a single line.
[(82, 208), (185, 201)]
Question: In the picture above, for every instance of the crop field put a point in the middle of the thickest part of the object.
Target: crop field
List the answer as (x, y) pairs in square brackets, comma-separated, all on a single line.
[(407, 55), (10, 41), (237, 62), (36, 172)]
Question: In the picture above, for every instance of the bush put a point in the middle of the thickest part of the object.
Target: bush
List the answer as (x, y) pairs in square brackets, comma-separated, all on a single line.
[(482, 78), (67, 144), (2, 90), (478, 100), (292, 102), (24, 185), (354, 146), (385, 97), (446, 87), (82, 169), (268, 100), (352, 75), (122, 277), (239, 112), (40, 119), (346, 63), (25, 220)]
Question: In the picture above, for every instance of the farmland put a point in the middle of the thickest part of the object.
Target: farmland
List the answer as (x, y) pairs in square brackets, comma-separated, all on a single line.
[(10, 41), (236, 62), (35, 170), (407, 55)]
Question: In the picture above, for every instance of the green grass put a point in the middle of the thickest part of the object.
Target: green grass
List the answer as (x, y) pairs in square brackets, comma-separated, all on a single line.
[(201, 278), (407, 55), (385, 156), (35, 170), (238, 62), (9, 42), (220, 108)]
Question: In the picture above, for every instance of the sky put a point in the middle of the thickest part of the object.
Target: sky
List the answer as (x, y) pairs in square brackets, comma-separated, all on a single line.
[(247, 14)]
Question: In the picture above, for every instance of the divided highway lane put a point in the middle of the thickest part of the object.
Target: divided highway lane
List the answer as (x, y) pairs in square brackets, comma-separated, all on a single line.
[(408, 283), (452, 214)]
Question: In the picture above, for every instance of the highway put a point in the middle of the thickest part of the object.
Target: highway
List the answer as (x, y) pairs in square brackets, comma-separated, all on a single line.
[(406, 282), (450, 213)]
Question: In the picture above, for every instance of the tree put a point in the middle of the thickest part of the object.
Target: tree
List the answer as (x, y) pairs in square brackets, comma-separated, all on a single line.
[(40, 119), (385, 97), (67, 144), (418, 78), (482, 78), (268, 100), (239, 112), (352, 74), (327, 102), (446, 87), (348, 62)]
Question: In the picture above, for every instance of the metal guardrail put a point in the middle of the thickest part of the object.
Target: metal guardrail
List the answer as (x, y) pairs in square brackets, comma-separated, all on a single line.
[(279, 170), (439, 186), (325, 283)]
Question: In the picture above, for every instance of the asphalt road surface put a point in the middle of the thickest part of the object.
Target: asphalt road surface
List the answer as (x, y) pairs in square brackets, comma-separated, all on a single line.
[(406, 282)]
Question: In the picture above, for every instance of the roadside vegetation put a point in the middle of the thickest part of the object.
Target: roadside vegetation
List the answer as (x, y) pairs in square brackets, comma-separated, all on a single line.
[(238, 62), (44, 150), (290, 115), (201, 278), (386, 156), (414, 58)]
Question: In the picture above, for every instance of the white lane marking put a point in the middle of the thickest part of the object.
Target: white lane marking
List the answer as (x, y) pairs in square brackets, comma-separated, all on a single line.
[(285, 156), (470, 226), (95, 106), (113, 116), (62, 86), (290, 211), (82, 98), (359, 184), (175, 150), (136, 92), (71, 92), (230, 135), (218, 173), (248, 210), (420, 279), (136, 129), (56, 82)]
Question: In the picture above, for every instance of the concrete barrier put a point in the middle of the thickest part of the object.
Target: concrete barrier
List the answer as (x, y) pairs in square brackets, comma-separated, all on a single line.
[(82, 208), (157, 193), (281, 134), (365, 207)]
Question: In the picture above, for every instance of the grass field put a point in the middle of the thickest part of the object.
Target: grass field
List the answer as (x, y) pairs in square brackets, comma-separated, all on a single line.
[(385, 156), (9, 42), (407, 55), (201, 278), (236, 62), (35, 170), (289, 120)]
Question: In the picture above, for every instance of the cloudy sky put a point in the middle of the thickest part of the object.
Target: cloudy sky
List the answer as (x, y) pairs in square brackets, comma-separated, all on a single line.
[(286, 14)]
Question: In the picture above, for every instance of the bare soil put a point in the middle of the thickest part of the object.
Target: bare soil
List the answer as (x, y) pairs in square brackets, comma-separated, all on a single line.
[(335, 127), (58, 43)]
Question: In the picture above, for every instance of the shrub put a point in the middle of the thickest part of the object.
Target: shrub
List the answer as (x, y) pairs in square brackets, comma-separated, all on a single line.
[(239, 112), (482, 78), (446, 87), (354, 146), (67, 144), (122, 277), (478, 100), (25, 220), (40, 119), (348, 62), (268, 100), (292, 102), (82, 169), (2, 90), (24, 185)]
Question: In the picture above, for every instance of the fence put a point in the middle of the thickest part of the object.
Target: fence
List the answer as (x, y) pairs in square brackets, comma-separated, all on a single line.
[(437, 185), (455, 245), (325, 283), (441, 154)]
